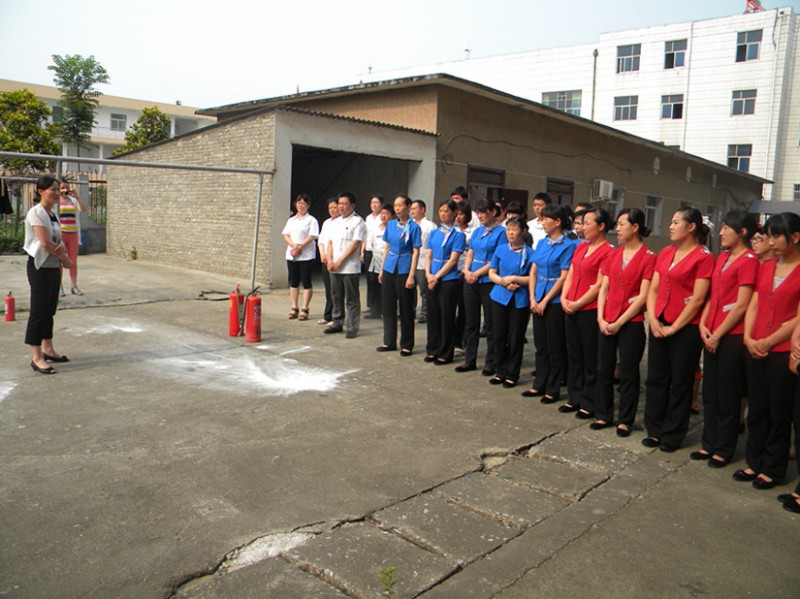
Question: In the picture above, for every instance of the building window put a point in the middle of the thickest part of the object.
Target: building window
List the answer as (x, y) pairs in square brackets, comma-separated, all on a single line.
[(744, 101), (739, 156), (58, 114), (615, 204), (567, 101), (747, 44), (625, 108), (652, 213), (674, 54), (672, 107), (119, 122), (796, 194), (628, 58)]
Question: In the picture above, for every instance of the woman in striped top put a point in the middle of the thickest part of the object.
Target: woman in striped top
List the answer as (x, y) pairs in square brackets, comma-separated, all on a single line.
[(69, 207)]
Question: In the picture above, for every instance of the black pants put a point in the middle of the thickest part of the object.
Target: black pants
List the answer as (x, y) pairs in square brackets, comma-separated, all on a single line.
[(394, 292), (724, 385), (797, 431), (300, 272), (770, 404), (509, 328), (344, 292), (442, 300), (581, 339), (326, 280), (461, 317), (551, 352), (630, 340), (671, 364), (374, 296), (476, 296), (44, 301)]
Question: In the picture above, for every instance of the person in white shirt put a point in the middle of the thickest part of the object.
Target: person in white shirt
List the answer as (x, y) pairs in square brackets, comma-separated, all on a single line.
[(344, 265), (535, 228), (373, 223), (426, 225), (299, 234), (322, 243)]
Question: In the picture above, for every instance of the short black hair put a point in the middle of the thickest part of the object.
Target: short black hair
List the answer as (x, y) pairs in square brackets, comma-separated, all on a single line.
[(461, 191), (544, 197), (420, 203), (346, 194)]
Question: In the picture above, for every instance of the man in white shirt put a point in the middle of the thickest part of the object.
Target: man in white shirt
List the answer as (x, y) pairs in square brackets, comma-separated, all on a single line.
[(347, 235), (373, 223), (427, 225), (535, 227), (322, 241)]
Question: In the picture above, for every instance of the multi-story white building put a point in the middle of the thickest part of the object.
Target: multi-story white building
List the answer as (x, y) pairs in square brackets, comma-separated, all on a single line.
[(114, 117), (726, 89)]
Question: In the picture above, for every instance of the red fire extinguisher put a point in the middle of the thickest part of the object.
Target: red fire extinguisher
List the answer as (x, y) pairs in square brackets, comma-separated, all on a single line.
[(235, 313), (252, 317), (11, 312)]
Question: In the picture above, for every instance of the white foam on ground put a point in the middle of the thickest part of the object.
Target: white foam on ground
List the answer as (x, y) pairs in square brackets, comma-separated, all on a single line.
[(5, 390), (297, 350), (116, 325), (273, 375), (263, 548)]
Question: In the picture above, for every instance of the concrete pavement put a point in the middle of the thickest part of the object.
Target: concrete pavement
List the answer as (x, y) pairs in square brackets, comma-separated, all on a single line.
[(170, 460)]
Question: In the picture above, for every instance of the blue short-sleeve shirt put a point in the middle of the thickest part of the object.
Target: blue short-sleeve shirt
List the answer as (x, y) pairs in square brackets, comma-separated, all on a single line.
[(551, 256), (443, 243), (402, 240), (508, 263), (483, 244)]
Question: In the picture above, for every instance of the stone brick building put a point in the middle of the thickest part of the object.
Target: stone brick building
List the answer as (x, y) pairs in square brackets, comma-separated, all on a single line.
[(420, 135)]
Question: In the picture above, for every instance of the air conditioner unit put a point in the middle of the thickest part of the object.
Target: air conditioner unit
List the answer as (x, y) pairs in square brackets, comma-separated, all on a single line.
[(602, 190)]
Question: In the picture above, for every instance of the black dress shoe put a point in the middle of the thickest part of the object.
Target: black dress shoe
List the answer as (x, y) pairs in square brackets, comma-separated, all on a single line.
[(584, 415), (623, 432), (442, 362), (488, 372), (508, 383), (385, 348), (48, 370), (331, 330), (567, 408), (792, 506), (744, 477), (787, 498), (429, 359), (598, 425), (496, 381), (465, 368), (405, 352), (547, 399), (532, 393), (650, 442), (699, 455), (54, 359), (765, 485), (712, 463), (668, 448)]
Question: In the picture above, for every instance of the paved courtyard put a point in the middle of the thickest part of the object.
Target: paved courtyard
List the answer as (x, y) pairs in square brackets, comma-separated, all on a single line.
[(167, 459)]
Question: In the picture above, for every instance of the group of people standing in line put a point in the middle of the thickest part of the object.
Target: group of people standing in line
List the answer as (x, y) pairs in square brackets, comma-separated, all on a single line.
[(485, 270)]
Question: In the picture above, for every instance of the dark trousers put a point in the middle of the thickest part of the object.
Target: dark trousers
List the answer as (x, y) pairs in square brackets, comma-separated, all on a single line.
[(326, 280), (551, 353), (770, 404), (476, 297), (671, 364), (581, 339), (344, 293), (630, 341), (394, 292), (509, 328), (797, 431), (422, 286), (461, 317), (44, 285), (442, 300), (724, 385), (374, 295)]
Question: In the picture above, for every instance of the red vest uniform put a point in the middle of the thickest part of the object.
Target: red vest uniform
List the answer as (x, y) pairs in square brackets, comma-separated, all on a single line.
[(624, 283), (775, 307), (725, 283), (676, 284), (584, 271)]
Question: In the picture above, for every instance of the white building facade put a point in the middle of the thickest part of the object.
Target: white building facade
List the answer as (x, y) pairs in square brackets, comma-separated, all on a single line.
[(725, 89)]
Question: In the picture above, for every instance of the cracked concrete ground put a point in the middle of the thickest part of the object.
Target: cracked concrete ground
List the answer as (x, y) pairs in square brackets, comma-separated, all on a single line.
[(170, 460)]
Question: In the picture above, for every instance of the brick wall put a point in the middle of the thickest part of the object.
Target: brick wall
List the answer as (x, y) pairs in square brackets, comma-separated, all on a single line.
[(200, 220)]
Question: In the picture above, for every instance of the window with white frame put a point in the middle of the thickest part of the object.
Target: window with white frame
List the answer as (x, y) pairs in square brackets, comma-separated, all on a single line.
[(674, 54), (628, 58), (747, 45), (625, 108), (615, 204), (567, 101), (672, 107), (796, 194), (744, 102), (652, 213), (119, 122), (58, 114), (739, 156)]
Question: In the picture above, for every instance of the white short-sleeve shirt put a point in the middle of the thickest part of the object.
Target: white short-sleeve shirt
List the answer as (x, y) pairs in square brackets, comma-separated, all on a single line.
[(344, 231), (298, 229)]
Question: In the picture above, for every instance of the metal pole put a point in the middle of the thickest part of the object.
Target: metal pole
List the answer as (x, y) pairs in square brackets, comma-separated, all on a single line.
[(255, 232)]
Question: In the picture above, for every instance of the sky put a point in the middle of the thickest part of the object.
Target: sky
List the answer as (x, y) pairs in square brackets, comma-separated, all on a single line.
[(210, 53)]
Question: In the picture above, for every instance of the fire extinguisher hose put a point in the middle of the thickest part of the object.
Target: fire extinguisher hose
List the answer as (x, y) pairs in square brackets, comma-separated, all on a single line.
[(244, 311)]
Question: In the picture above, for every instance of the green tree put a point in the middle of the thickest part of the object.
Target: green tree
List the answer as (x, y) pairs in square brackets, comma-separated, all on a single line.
[(76, 77), (24, 128), (151, 127)]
